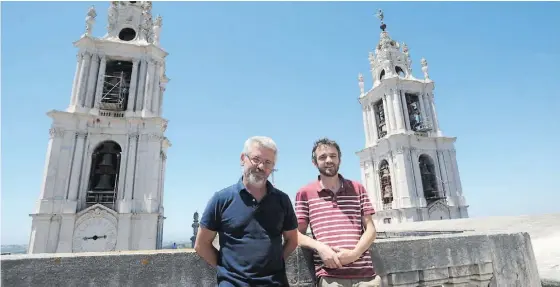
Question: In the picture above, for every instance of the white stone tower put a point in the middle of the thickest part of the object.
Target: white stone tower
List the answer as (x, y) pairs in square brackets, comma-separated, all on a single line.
[(104, 172), (408, 167)]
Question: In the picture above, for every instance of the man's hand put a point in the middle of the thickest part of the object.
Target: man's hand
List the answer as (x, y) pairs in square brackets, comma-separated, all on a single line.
[(346, 256), (329, 256)]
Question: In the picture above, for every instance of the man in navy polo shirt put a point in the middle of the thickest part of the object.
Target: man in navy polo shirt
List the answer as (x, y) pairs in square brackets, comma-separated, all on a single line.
[(251, 218)]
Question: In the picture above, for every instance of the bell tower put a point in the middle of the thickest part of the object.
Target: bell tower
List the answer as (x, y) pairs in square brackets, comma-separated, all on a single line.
[(105, 166), (408, 166)]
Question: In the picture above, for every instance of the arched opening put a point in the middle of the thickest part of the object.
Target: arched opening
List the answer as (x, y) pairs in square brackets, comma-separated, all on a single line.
[(104, 174), (386, 188), (382, 75), (127, 34), (400, 72), (429, 179)]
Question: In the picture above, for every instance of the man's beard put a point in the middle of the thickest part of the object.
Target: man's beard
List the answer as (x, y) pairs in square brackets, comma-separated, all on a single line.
[(329, 171), (256, 177)]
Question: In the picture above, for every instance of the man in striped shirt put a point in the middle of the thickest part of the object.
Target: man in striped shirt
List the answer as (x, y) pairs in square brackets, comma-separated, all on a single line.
[(339, 212)]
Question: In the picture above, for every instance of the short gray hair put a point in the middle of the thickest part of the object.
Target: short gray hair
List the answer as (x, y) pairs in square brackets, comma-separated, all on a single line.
[(262, 141)]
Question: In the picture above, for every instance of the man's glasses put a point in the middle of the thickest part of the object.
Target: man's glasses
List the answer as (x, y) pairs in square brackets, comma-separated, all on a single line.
[(257, 161)]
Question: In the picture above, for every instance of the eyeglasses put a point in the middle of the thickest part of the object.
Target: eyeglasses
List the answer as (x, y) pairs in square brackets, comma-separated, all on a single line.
[(257, 161)]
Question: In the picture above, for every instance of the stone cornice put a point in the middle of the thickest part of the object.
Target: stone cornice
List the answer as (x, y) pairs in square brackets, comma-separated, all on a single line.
[(113, 48)]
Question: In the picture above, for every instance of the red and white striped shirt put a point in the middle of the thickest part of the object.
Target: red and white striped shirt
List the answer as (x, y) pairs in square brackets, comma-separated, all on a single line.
[(336, 220)]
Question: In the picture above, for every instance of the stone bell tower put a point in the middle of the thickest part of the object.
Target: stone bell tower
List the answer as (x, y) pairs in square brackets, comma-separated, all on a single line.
[(104, 172), (408, 166)]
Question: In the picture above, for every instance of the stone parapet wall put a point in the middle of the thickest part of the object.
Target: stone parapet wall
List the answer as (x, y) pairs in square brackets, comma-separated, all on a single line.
[(503, 259)]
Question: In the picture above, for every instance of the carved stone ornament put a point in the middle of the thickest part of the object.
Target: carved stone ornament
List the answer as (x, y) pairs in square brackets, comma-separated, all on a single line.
[(56, 132), (133, 136), (424, 64), (90, 20), (153, 137), (361, 83), (81, 134), (112, 15), (95, 231)]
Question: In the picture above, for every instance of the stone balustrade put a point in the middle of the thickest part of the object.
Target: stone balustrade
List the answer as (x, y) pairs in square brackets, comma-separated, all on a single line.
[(417, 259)]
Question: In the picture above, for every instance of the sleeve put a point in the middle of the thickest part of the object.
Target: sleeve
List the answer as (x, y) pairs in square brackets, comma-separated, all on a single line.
[(365, 204), (211, 218), (302, 207), (290, 220)]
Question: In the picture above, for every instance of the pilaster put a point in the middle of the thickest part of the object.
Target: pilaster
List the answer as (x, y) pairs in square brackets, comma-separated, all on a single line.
[(100, 81), (133, 86)]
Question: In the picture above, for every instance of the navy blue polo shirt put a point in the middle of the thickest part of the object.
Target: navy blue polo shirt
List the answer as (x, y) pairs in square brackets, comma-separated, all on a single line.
[(250, 235)]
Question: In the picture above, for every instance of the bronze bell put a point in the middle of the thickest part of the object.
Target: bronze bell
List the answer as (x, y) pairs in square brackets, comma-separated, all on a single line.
[(104, 183), (107, 160)]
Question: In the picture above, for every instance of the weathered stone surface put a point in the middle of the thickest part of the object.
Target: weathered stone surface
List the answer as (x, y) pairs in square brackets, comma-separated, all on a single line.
[(544, 230), (450, 260)]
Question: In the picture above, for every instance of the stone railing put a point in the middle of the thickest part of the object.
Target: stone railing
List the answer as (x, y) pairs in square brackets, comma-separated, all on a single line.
[(460, 259)]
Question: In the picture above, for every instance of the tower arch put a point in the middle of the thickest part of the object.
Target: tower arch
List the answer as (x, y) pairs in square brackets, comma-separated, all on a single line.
[(429, 178), (385, 184), (104, 174)]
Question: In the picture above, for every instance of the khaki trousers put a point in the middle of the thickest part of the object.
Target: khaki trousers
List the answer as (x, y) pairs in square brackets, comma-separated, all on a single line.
[(355, 282)]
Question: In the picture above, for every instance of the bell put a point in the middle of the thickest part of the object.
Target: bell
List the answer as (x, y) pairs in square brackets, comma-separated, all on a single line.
[(107, 160), (104, 183)]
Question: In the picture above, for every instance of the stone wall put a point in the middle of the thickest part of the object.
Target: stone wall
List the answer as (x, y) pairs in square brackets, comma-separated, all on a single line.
[(503, 259)]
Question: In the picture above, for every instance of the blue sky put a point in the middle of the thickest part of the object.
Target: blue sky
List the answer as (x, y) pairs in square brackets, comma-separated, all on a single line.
[(289, 70)]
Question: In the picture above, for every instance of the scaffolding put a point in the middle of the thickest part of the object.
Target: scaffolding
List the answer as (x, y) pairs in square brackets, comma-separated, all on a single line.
[(115, 92)]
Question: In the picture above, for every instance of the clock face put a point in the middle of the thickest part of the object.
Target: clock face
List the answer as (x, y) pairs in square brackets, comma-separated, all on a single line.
[(95, 234)]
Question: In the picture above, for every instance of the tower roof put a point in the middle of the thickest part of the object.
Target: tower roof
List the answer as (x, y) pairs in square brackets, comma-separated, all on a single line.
[(391, 59)]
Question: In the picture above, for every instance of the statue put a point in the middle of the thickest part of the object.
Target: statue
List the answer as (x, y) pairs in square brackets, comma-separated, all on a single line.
[(361, 83), (90, 20), (157, 29), (112, 15), (424, 64)]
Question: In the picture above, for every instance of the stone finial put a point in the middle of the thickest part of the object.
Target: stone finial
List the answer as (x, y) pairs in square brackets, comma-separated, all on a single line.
[(90, 20), (361, 83), (424, 64), (405, 48)]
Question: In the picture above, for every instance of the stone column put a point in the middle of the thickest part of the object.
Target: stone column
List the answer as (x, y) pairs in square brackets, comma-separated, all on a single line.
[(100, 81), (405, 111), (398, 111), (132, 92), (432, 110), (394, 186), (441, 173), (377, 189), (423, 106), (141, 85), (405, 196), (365, 114), (131, 164), (418, 178), (390, 108), (387, 116), (74, 96), (64, 163), (373, 121), (450, 173), (162, 180), (53, 152), (92, 83), (160, 104), (82, 82), (155, 89), (77, 163), (148, 92), (455, 169), (151, 168)]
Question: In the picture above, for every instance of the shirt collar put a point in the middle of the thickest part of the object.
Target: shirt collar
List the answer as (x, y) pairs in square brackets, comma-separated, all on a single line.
[(241, 186), (320, 186)]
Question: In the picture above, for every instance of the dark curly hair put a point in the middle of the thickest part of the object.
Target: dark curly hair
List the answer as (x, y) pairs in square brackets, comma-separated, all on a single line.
[(327, 142)]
